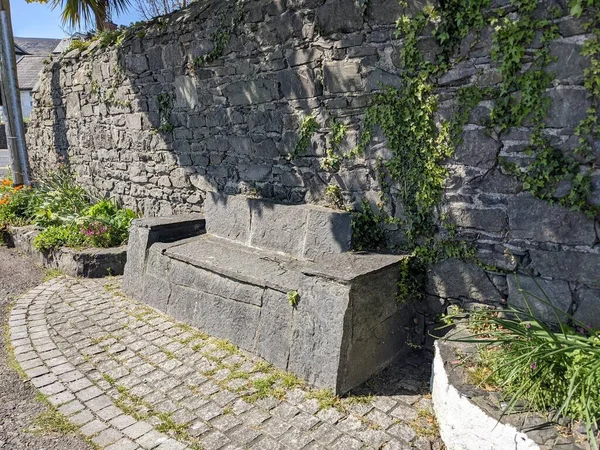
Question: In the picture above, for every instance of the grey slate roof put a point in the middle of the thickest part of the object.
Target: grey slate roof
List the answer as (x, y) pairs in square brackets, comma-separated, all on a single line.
[(37, 46), (28, 70), (31, 63)]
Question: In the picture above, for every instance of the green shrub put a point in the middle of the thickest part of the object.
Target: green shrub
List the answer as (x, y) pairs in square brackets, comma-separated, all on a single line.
[(58, 198), (105, 224), (56, 236), (554, 368), (16, 206)]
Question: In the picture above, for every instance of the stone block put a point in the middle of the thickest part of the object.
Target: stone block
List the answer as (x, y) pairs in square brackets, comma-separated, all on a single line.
[(546, 298), (569, 63), (229, 216), (477, 149), (299, 83), (186, 94), (568, 107), (327, 231), (339, 16), (251, 92), (587, 309), (567, 265), (342, 77), (239, 293), (277, 227), (145, 232), (274, 331), (489, 219), (458, 280), (537, 220)]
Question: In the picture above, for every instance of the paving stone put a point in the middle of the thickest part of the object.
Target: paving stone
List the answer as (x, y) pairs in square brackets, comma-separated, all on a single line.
[(296, 439), (213, 440), (347, 443), (61, 398), (88, 393), (71, 408), (189, 388), (52, 389), (123, 444), (93, 427), (82, 418), (325, 434), (122, 421), (109, 413), (44, 380), (98, 403), (171, 444), (137, 430), (107, 437)]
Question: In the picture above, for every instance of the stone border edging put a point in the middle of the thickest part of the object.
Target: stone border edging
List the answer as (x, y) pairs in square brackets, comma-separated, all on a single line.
[(67, 388), (90, 262), (463, 425)]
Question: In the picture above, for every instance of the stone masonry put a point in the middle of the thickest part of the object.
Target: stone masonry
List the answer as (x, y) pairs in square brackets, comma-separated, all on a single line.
[(235, 120), (235, 282), (131, 379)]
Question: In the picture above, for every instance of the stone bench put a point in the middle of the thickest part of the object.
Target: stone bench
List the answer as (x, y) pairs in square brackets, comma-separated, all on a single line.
[(236, 280)]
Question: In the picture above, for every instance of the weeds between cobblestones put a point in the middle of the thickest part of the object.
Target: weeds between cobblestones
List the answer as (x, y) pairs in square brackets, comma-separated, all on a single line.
[(129, 377)]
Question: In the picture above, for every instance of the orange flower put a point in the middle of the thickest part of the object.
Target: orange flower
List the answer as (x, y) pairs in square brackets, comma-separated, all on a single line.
[(3, 200), (18, 188), (6, 182)]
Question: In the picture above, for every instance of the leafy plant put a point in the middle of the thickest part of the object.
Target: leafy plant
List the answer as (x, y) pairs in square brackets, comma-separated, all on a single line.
[(308, 127), (367, 229), (15, 204), (58, 197), (105, 224), (293, 298), (56, 236), (555, 368)]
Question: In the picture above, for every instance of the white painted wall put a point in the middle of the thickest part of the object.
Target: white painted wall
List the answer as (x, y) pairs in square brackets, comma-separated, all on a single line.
[(26, 105)]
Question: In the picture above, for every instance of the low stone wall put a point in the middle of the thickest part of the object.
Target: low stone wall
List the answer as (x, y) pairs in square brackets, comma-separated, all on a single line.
[(91, 262)]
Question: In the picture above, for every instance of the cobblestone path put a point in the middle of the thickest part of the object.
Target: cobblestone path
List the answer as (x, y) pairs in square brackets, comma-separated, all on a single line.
[(131, 378)]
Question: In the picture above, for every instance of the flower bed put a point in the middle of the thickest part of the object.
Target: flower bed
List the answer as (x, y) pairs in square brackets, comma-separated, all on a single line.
[(62, 226), (510, 372)]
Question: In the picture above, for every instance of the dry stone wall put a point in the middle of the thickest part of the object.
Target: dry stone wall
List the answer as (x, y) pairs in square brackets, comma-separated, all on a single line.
[(150, 122)]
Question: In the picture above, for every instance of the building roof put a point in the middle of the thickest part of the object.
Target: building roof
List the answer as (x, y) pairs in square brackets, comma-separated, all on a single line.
[(28, 70), (37, 46)]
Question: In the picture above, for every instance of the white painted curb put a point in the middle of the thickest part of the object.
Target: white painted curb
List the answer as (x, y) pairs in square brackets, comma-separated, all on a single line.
[(465, 426)]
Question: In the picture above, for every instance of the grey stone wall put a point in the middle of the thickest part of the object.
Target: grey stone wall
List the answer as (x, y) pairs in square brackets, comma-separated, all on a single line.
[(235, 121)]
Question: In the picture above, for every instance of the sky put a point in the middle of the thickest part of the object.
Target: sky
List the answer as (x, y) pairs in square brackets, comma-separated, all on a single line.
[(39, 20)]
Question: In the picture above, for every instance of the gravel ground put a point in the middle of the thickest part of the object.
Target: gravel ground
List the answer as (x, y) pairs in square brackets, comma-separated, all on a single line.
[(18, 404)]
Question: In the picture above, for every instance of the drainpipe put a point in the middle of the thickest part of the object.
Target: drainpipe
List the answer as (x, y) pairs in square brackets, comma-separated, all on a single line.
[(11, 94)]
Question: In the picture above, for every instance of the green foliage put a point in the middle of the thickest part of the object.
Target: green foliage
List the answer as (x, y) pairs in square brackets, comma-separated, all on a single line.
[(165, 106), (308, 127), (104, 224), (334, 195), (111, 37), (16, 205), (367, 229), (56, 236), (78, 44), (293, 298), (418, 146), (222, 34), (333, 158), (529, 359), (58, 197), (65, 211)]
